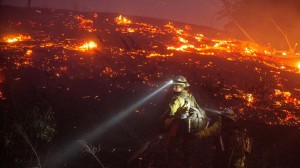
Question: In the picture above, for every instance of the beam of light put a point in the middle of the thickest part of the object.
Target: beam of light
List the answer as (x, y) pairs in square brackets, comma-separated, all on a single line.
[(212, 110), (103, 127), (74, 147)]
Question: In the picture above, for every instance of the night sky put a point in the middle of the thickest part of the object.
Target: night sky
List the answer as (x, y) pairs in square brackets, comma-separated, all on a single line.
[(200, 12)]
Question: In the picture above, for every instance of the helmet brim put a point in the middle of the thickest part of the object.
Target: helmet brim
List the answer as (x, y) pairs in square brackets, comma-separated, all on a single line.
[(181, 83), (229, 113)]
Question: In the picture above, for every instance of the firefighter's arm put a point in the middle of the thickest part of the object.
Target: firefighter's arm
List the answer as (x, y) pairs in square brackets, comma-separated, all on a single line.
[(210, 131), (173, 107)]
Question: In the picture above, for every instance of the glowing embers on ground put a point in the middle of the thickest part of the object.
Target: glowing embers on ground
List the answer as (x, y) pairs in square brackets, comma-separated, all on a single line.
[(121, 20), (62, 49), (28, 52), (289, 117), (86, 24), (286, 97), (284, 117), (16, 38), (154, 54), (184, 41), (285, 108), (88, 46), (248, 98), (199, 44), (205, 46), (182, 47), (108, 71)]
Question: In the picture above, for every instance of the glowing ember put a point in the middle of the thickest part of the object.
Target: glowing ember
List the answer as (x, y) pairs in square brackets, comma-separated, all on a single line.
[(250, 98), (181, 48), (130, 30), (29, 52), (199, 37), (160, 55), (121, 20), (109, 72), (86, 24), (13, 39), (88, 46), (183, 40), (298, 66)]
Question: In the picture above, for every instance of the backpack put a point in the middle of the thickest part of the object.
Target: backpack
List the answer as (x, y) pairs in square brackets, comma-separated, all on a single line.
[(196, 119)]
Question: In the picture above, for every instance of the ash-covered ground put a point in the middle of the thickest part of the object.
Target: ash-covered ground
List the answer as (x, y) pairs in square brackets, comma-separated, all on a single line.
[(70, 79)]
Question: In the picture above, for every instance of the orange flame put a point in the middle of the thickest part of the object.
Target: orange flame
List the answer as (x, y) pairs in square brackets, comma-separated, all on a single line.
[(183, 40), (88, 46), (158, 54), (287, 96), (86, 24), (29, 52), (121, 20), (13, 39), (250, 98)]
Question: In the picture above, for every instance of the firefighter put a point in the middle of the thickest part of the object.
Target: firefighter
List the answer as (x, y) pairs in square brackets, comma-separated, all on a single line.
[(232, 142), (178, 107), (180, 150)]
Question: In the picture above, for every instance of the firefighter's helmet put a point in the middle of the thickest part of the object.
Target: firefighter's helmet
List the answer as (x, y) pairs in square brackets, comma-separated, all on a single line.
[(229, 113), (181, 81)]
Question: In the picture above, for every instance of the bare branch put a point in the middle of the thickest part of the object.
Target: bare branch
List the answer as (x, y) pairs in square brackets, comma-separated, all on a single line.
[(227, 7), (282, 33)]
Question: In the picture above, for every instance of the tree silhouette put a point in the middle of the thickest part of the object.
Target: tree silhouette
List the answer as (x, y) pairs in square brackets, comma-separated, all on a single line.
[(267, 22)]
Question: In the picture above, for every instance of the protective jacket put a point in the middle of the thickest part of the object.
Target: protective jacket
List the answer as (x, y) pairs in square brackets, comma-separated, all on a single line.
[(179, 104)]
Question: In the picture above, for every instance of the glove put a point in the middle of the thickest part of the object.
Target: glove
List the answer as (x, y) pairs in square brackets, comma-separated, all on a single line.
[(168, 121)]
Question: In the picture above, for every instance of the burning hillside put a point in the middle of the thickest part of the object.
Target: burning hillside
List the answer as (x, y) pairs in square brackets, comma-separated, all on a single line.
[(72, 45), (86, 61)]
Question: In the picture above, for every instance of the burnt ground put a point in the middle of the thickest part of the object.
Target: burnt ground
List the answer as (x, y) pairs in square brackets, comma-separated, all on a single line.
[(52, 112)]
